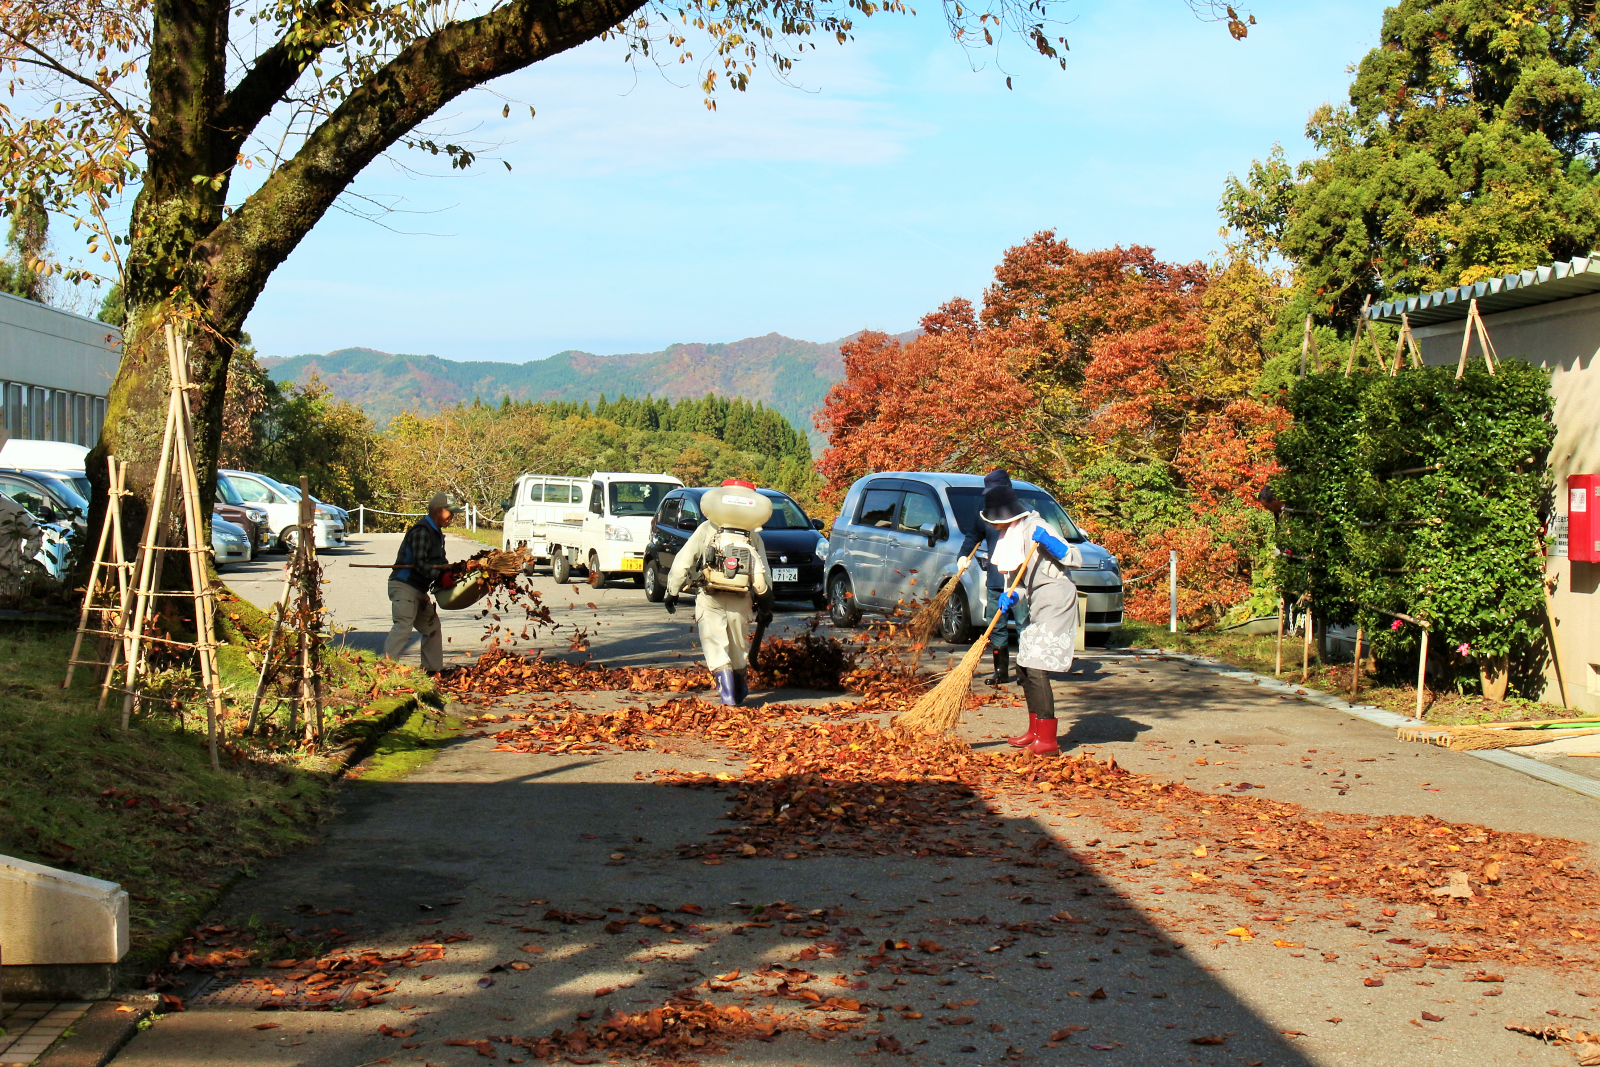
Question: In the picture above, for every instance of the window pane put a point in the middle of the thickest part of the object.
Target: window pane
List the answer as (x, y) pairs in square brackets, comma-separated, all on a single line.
[(1040, 501), (691, 512), (638, 498), (786, 514), (879, 507), (252, 490), (535, 493), (920, 510)]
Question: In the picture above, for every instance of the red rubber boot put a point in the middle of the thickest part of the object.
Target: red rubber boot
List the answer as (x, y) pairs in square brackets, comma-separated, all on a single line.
[(1044, 738), (1026, 738)]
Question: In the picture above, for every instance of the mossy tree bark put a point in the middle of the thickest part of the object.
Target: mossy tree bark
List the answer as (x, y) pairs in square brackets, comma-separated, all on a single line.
[(193, 261)]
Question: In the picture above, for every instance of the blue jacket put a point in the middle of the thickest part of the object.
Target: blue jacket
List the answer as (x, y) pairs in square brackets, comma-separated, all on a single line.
[(990, 537)]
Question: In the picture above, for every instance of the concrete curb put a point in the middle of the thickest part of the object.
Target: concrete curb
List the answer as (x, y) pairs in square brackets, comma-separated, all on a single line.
[(1556, 776), (99, 1035)]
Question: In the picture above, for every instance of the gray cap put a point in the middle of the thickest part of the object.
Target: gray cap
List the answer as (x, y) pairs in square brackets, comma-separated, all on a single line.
[(444, 499)]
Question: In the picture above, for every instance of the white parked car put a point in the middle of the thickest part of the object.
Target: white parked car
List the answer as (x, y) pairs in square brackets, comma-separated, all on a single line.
[(611, 532), (282, 505)]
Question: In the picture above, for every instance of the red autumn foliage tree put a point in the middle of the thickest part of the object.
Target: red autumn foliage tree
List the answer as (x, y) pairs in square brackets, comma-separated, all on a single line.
[(945, 401), (1119, 382)]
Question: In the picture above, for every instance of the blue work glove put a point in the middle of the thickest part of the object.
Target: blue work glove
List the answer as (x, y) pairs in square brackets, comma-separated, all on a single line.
[(1051, 543), (1005, 603)]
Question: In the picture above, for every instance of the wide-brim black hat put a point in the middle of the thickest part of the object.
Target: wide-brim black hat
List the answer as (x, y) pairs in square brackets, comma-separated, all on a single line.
[(1000, 502)]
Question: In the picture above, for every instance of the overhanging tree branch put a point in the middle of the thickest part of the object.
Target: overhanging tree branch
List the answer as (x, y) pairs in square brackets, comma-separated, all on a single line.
[(231, 265)]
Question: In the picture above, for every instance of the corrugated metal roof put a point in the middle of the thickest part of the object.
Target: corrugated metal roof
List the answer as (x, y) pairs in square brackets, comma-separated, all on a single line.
[(1540, 285)]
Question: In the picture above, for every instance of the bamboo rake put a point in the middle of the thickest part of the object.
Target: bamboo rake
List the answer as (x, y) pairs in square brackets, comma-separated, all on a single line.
[(939, 710), (926, 621)]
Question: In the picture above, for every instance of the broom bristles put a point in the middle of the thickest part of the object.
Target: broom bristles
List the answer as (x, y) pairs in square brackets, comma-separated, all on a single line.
[(939, 710), (925, 623)]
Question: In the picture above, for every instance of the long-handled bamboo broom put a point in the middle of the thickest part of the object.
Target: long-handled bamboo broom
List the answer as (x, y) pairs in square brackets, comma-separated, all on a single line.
[(939, 710), (926, 621)]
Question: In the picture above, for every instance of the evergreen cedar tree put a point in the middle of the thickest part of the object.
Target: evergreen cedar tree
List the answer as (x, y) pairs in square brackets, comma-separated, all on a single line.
[(1467, 150), (1117, 381)]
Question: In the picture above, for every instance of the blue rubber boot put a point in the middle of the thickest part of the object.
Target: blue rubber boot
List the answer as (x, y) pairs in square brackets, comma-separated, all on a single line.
[(741, 684), (725, 686)]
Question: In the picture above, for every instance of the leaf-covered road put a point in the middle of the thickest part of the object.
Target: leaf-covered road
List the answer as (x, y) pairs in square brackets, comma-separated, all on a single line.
[(1156, 913)]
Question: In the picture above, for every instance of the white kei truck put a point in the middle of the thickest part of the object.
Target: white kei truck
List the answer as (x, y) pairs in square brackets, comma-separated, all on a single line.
[(598, 524)]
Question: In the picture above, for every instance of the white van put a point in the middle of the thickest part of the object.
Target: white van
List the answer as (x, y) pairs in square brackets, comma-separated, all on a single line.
[(611, 532), (536, 501)]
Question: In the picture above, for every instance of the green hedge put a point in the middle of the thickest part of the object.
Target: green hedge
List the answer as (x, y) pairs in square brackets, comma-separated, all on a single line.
[(1424, 495)]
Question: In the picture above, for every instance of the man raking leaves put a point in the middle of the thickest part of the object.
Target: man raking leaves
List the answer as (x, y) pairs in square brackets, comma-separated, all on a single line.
[(724, 563)]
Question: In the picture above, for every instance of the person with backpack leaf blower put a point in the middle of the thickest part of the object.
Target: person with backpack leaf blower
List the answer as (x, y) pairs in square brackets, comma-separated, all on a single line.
[(724, 563)]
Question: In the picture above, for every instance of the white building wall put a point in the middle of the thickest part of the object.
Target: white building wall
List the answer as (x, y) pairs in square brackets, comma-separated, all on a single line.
[(56, 369)]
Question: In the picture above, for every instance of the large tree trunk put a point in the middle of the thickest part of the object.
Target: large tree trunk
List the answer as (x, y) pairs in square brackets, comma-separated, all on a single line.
[(190, 262)]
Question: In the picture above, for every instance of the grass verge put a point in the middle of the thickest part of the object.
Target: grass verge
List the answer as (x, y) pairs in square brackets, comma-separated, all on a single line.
[(1258, 652), (408, 747)]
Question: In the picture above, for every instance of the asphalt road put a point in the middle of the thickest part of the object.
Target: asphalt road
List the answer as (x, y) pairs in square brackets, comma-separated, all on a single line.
[(496, 831)]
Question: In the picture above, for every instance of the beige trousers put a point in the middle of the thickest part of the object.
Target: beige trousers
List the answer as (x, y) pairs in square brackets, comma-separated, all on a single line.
[(412, 609), (724, 623)]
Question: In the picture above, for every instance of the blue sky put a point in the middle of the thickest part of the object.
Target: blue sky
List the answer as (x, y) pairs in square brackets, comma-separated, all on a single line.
[(890, 177)]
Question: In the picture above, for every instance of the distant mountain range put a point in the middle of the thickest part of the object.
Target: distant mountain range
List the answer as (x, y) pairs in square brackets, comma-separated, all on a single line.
[(792, 376)]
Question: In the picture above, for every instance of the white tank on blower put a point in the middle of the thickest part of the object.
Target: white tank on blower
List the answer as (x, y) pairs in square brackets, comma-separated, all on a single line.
[(733, 507)]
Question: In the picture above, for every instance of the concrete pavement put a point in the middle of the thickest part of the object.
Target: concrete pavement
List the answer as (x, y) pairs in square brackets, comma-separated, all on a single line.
[(490, 840)]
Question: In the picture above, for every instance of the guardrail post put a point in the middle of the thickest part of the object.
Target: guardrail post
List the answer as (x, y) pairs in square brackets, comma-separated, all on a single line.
[(361, 518)]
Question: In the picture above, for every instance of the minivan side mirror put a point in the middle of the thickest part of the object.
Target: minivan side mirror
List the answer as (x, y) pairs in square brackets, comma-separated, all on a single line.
[(505, 505), (933, 531), (816, 524)]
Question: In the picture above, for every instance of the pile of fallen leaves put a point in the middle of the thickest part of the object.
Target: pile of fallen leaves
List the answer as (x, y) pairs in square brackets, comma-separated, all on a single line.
[(867, 666), (817, 781), (684, 1025)]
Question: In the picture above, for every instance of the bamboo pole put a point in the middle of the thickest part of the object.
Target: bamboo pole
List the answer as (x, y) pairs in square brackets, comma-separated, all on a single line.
[(1355, 685), (1422, 671), (95, 568), (1277, 671), (1308, 347), (149, 565), (1355, 342), (1305, 651), (119, 489)]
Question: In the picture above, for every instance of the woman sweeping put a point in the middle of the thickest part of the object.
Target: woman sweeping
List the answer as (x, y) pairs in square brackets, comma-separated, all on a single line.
[(1045, 604)]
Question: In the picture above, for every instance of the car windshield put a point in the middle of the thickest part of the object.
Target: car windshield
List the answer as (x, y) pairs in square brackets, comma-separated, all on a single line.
[(227, 492), (638, 498), (968, 502), (74, 490), (786, 514)]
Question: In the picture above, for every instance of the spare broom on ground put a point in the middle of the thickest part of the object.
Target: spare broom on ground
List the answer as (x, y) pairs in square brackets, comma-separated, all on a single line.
[(939, 710), (925, 623)]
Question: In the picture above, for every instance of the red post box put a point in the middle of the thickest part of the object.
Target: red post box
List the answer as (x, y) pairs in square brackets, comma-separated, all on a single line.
[(1583, 518)]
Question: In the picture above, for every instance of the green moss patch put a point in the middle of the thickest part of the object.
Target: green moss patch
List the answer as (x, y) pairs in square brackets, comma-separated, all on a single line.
[(401, 751)]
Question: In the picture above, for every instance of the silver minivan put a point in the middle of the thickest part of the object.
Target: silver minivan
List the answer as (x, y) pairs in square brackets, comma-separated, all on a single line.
[(896, 541)]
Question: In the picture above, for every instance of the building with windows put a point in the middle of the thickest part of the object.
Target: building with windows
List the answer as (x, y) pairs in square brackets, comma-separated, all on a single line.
[(56, 369), (1549, 316)]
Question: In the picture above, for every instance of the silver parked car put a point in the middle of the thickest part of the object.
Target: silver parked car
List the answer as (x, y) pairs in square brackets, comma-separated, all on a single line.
[(897, 540), (229, 542)]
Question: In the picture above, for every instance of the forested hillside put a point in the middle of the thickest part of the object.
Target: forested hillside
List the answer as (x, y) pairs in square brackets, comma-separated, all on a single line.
[(785, 374)]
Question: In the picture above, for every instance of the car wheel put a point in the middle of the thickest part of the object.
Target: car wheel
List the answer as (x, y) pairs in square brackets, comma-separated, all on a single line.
[(655, 590), (560, 566), (289, 538), (842, 608), (955, 625), (597, 577)]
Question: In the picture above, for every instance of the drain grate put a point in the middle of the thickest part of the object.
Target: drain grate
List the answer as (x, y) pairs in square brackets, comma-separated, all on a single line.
[(265, 994)]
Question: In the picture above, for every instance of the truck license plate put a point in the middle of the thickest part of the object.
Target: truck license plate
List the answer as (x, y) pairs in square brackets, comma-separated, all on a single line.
[(786, 574), (632, 563)]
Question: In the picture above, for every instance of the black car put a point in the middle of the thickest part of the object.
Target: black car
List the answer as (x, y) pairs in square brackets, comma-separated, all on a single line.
[(795, 549)]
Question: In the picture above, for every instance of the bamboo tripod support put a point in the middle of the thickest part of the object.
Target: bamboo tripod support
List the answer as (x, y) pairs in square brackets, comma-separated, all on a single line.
[(175, 477), (1308, 347), (1474, 319), (96, 617), (299, 608)]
